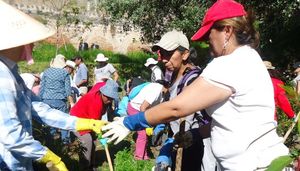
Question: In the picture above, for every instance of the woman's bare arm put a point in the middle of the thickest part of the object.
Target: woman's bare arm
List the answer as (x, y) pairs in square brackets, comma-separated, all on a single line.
[(198, 95)]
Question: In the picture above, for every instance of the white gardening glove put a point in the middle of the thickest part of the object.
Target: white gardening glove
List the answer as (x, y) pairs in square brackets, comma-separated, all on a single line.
[(115, 130)]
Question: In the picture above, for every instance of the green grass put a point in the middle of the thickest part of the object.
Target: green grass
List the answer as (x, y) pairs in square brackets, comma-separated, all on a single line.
[(44, 52)]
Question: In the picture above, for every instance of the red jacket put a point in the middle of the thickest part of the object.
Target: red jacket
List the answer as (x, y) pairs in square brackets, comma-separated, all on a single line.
[(90, 105), (281, 99)]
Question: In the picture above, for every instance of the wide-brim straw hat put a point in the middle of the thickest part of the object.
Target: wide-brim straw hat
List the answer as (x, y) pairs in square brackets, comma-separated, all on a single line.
[(58, 62), (18, 28)]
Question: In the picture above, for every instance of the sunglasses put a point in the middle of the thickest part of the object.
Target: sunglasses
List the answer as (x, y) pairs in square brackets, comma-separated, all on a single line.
[(164, 54)]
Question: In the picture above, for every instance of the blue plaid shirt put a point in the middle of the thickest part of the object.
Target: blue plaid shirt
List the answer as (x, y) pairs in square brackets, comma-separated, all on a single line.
[(55, 84), (18, 106)]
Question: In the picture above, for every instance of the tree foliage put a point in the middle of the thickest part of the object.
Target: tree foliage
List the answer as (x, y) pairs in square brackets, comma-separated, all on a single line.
[(155, 17), (278, 21), (279, 27)]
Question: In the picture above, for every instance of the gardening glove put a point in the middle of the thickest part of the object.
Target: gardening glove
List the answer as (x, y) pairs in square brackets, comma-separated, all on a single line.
[(164, 161), (56, 161), (90, 124), (165, 152), (149, 131), (120, 128), (159, 128), (161, 167), (116, 130)]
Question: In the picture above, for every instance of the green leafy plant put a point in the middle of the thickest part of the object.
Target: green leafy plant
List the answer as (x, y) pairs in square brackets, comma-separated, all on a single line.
[(279, 163), (125, 161)]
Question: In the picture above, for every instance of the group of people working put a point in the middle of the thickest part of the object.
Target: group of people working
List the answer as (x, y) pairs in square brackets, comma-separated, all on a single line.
[(220, 117), (240, 104)]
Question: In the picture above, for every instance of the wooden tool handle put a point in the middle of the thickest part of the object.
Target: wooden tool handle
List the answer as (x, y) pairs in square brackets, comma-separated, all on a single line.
[(108, 158)]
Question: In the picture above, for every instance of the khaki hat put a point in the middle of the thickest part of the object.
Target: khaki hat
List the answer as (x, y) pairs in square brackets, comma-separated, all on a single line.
[(18, 28), (172, 40), (58, 61), (71, 64), (269, 65), (101, 58)]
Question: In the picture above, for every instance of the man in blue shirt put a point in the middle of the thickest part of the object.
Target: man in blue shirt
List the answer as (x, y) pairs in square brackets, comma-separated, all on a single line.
[(18, 104), (81, 75)]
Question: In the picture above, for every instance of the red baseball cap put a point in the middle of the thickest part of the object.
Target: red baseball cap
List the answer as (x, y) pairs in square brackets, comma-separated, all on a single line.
[(220, 10)]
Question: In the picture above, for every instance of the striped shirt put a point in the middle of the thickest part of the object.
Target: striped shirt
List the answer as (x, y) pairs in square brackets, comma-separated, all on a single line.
[(18, 106)]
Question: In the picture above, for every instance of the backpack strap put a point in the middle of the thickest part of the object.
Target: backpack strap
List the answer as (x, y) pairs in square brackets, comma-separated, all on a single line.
[(189, 75)]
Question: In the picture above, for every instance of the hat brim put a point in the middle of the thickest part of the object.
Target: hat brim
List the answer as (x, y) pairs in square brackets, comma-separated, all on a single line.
[(155, 48), (271, 67), (151, 63), (199, 35), (102, 60), (113, 95), (19, 28), (159, 46)]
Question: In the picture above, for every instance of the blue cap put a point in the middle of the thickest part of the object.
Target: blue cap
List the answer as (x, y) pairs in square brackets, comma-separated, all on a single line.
[(110, 89)]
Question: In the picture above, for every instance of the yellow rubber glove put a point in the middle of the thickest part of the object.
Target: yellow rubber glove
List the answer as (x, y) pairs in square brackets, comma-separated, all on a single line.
[(149, 131), (90, 124), (54, 159)]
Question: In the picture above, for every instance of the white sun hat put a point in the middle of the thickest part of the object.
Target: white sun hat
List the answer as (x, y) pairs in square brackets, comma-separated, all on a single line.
[(150, 61), (101, 58), (71, 64), (18, 28)]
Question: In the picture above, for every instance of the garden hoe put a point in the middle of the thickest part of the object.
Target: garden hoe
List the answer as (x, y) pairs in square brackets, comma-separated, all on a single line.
[(180, 149), (291, 127), (103, 141)]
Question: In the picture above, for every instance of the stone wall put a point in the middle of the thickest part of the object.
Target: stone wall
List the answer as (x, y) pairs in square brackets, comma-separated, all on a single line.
[(107, 35)]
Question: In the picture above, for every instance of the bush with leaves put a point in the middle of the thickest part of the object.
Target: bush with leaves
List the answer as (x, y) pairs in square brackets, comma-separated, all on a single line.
[(286, 128)]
